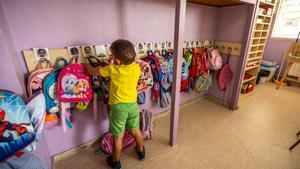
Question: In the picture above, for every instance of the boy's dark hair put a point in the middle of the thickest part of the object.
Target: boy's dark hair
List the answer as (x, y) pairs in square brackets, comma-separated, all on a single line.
[(123, 50)]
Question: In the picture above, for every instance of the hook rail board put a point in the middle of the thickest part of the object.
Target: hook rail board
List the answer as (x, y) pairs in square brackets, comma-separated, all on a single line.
[(223, 47), (54, 53)]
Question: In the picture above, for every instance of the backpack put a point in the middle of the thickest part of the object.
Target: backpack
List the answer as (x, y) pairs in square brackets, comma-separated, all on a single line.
[(188, 56), (203, 66), (52, 101), (170, 69), (146, 80), (196, 62), (60, 62), (156, 74), (106, 142), (36, 106), (74, 85), (155, 67), (184, 76), (203, 83), (35, 80), (225, 75), (16, 130), (165, 98), (214, 59)]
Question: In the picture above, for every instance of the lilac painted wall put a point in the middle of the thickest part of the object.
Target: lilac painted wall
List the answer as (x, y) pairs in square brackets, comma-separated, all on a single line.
[(275, 49), (9, 72), (57, 24), (231, 27)]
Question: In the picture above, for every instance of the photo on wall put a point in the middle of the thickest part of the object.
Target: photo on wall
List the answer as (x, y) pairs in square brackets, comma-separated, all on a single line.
[(74, 51), (148, 46), (102, 53), (140, 48), (88, 51), (163, 45), (156, 46), (41, 54)]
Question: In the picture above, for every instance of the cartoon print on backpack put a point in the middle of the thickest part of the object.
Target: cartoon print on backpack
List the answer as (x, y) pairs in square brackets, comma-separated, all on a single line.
[(69, 86), (146, 80), (16, 130)]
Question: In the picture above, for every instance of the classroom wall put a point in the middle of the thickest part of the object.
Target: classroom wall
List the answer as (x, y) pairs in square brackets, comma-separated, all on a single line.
[(56, 24), (9, 72), (275, 49), (231, 27)]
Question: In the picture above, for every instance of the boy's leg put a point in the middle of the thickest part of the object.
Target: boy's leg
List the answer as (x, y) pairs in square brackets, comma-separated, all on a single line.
[(117, 147), (137, 134)]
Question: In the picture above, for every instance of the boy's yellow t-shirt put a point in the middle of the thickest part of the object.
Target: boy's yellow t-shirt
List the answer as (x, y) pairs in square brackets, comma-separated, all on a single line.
[(123, 82)]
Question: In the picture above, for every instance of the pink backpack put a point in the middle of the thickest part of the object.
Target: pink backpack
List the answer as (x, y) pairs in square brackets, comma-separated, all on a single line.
[(106, 142), (226, 74), (214, 59), (74, 85), (36, 78)]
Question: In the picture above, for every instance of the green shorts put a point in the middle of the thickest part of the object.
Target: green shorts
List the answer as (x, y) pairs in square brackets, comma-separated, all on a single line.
[(123, 115)]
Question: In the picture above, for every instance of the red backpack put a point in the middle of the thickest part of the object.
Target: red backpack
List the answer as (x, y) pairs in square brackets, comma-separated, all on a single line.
[(196, 62), (156, 74), (225, 75)]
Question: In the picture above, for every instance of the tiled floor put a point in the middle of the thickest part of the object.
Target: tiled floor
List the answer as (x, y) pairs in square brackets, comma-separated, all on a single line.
[(256, 136)]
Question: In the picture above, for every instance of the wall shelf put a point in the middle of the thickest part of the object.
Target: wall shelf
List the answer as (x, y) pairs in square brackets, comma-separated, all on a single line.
[(260, 31), (251, 67), (250, 79)]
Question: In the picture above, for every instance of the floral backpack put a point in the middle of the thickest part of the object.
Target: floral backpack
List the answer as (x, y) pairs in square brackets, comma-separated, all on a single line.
[(74, 85), (16, 129), (146, 80)]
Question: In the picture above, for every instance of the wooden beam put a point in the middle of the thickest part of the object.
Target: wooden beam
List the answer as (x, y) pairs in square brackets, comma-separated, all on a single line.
[(180, 12)]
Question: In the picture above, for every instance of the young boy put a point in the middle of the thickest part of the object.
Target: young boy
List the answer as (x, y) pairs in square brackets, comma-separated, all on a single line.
[(123, 109)]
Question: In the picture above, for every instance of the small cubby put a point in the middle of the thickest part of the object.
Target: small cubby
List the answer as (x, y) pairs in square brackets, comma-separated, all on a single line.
[(262, 41), (260, 32), (255, 41), (257, 34)]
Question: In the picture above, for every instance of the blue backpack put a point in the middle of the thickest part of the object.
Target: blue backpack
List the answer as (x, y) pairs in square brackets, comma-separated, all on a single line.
[(50, 90), (16, 130)]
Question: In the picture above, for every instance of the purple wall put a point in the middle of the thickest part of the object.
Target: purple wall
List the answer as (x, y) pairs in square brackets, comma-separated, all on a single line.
[(231, 27), (11, 73), (275, 49), (56, 24)]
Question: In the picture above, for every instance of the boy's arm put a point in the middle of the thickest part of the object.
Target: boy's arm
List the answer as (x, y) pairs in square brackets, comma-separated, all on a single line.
[(92, 70)]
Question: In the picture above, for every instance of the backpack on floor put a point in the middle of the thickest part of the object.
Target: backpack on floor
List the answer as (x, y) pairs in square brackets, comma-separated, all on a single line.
[(106, 142), (145, 81), (16, 130), (74, 85), (36, 78), (214, 59)]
